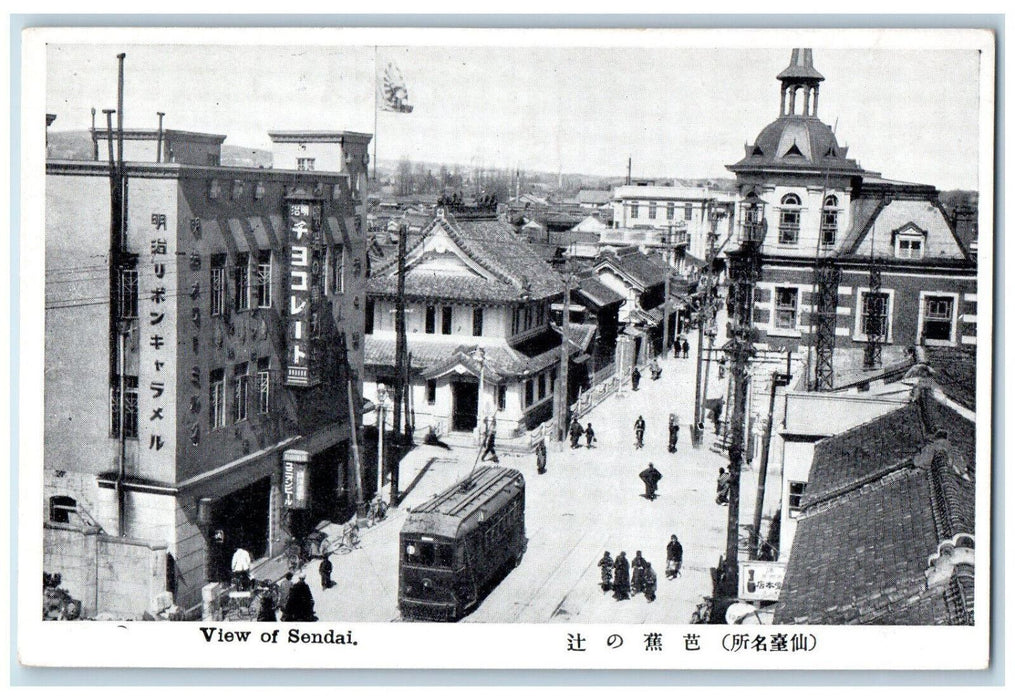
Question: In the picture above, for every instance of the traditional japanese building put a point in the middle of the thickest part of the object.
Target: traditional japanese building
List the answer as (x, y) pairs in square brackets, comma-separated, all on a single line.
[(853, 264), (478, 324), (190, 352)]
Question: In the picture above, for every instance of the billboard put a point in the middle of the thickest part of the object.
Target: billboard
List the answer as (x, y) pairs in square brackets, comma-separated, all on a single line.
[(299, 370), (761, 580), (295, 495)]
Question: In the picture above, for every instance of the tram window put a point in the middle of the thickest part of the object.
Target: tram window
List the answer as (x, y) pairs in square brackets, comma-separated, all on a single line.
[(445, 555), (420, 553)]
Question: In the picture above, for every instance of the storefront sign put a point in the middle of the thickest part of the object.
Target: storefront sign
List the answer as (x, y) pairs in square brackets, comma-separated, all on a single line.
[(761, 580), (298, 360), (295, 464)]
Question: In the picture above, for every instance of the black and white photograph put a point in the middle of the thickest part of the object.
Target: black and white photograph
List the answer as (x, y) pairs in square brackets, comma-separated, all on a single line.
[(614, 341)]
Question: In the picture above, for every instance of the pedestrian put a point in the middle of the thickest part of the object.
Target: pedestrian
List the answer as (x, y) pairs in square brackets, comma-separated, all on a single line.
[(488, 445), (266, 608), (590, 436), (241, 569), (674, 556), (722, 487), (575, 432), (284, 586), (674, 432), (650, 477), (717, 417), (637, 573), (649, 580), (639, 433), (300, 606), (325, 570), (621, 578), (635, 378), (606, 570), (722, 367), (686, 348), (541, 456)]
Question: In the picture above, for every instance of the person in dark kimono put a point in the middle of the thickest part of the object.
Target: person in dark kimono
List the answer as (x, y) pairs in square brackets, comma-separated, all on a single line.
[(300, 606), (590, 436), (266, 608), (489, 448), (639, 433), (650, 476), (606, 570), (722, 487), (325, 570), (575, 431), (284, 586), (621, 578), (674, 556), (541, 457), (635, 378), (637, 573), (686, 348), (674, 432), (648, 582)]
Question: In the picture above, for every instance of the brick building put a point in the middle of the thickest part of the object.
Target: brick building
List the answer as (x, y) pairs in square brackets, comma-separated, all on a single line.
[(186, 355)]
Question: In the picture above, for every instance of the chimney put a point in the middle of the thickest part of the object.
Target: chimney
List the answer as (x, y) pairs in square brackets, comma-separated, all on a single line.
[(964, 221)]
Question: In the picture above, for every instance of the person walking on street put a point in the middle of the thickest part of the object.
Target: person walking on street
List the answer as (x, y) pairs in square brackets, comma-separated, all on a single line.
[(686, 348), (575, 432), (637, 573), (650, 477), (284, 586), (722, 488), (241, 569), (541, 456), (674, 556), (325, 570), (649, 580), (621, 578), (639, 433), (674, 432), (590, 436), (635, 378), (606, 571), (489, 448), (300, 606)]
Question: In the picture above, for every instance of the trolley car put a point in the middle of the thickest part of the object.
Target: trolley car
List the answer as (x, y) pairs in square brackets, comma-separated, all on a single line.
[(456, 547)]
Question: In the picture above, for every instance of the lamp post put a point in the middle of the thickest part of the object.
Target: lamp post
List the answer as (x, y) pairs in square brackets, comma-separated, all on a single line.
[(382, 396)]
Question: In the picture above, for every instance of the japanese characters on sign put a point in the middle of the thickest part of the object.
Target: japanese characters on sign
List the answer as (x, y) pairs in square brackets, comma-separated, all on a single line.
[(304, 217), (761, 580), (294, 479)]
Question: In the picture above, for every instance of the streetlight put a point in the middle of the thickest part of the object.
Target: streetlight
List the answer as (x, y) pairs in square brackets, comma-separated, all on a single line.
[(382, 396)]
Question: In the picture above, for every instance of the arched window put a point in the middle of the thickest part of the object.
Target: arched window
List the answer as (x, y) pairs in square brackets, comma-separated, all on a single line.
[(60, 508), (789, 220), (829, 221)]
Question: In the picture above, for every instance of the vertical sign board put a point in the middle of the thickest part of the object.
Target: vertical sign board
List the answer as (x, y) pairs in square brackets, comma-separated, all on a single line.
[(294, 479), (761, 580), (624, 355), (298, 354)]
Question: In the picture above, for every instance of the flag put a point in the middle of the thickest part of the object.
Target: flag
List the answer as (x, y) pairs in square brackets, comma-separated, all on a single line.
[(394, 96)]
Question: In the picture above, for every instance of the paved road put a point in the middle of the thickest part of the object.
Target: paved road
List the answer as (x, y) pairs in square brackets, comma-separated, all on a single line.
[(588, 502)]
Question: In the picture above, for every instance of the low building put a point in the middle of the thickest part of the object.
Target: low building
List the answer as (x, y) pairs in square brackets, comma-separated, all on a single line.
[(480, 340)]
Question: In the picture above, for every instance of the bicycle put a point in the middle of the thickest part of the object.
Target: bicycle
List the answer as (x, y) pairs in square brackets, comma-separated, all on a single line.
[(350, 540)]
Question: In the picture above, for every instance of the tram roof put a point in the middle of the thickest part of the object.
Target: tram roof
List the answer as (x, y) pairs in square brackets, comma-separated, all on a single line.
[(459, 508)]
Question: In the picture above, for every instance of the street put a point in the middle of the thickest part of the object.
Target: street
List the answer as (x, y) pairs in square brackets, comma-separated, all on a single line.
[(588, 502)]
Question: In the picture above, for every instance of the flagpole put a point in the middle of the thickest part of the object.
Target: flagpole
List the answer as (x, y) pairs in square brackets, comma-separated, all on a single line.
[(375, 115)]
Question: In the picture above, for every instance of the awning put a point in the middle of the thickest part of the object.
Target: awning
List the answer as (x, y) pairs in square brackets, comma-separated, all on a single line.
[(239, 235), (265, 237)]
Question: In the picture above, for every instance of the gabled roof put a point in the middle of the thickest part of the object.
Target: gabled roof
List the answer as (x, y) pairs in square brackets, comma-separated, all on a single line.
[(515, 270), (598, 293), (887, 525), (642, 270)]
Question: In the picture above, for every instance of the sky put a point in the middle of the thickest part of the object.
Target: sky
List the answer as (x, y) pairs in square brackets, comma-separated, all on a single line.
[(676, 111)]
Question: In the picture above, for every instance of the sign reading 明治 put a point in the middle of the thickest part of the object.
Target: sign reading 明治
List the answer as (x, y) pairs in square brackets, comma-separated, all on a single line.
[(298, 352)]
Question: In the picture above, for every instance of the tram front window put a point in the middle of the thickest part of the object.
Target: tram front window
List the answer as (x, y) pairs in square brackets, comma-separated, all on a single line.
[(429, 554)]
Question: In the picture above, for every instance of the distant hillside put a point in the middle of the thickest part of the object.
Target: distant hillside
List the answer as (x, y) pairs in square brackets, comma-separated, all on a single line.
[(243, 157)]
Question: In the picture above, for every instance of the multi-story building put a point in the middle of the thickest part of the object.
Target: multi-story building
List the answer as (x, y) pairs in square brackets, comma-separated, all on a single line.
[(880, 256), (188, 351), (478, 324)]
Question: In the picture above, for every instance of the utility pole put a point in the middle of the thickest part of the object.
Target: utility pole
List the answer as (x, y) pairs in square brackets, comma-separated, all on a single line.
[(401, 368), (158, 149), (560, 398), (778, 379)]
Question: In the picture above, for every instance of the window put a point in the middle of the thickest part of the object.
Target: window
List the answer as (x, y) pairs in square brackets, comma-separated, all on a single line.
[(789, 220), (874, 314), (217, 399), (336, 270), (130, 407), (652, 210), (241, 280), (212, 158), (501, 397), (262, 280), (670, 209), (241, 389), (541, 314), (528, 392), (60, 508), (528, 317), (796, 495), (128, 294), (431, 320), (431, 392), (937, 319), (909, 247), (553, 379), (218, 284), (634, 210), (786, 307), (305, 163), (477, 321), (368, 317), (446, 320), (688, 212), (263, 386), (829, 221), (542, 386)]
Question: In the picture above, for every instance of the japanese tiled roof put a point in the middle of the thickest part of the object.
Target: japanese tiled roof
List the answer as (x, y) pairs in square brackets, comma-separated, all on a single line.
[(517, 270), (878, 510), (645, 271), (954, 371), (598, 293), (432, 357)]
